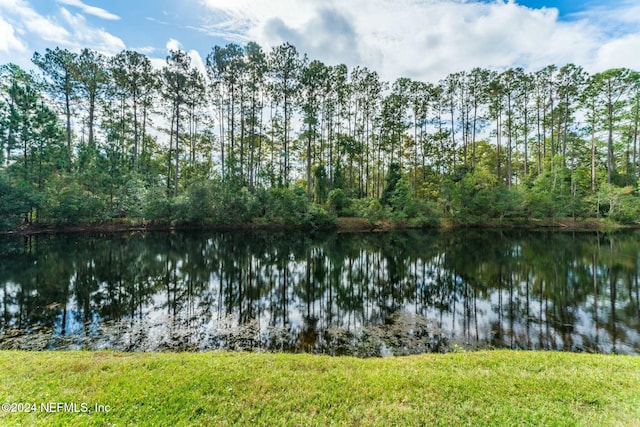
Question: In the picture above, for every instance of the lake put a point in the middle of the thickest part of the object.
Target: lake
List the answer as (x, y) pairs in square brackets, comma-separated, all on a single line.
[(363, 294)]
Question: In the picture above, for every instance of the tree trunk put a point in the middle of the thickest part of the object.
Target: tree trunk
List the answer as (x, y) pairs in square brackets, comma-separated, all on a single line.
[(92, 107), (309, 141), (175, 176), (67, 106)]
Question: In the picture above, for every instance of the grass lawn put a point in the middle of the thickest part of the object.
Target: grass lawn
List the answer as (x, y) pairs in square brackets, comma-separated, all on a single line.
[(219, 388)]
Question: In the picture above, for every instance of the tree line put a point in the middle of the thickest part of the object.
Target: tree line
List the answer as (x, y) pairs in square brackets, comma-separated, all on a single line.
[(278, 135)]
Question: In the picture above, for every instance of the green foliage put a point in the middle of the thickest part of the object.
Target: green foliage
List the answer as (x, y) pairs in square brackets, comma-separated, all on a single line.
[(157, 207), (401, 206), (214, 202), (476, 198), (130, 199), (320, 175), (67, 202), (285, 206), (316, 216), (466, 200), (339, 180), (282, 205), (618, 204), (233, 205), (195, 204), (541, 205), (369, 208), (504, 203), (421, 213), (338, 202), (550, 197), (424, 221), (15, 203), (542, 163), (393, 176), (399, 198)]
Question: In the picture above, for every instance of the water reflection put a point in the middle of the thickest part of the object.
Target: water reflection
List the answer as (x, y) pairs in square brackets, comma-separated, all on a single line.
[(338, 293)]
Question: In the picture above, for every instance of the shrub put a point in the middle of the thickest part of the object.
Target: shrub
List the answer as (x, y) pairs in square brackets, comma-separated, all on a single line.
[(158, 207), (285, 206), (15, 204), (195, 204), (130, 200), (233, 205), (282, 205), (72, 204), (369, 208), (338, 202), (316, 216), (421, 214), (620, 204), (214, 202)]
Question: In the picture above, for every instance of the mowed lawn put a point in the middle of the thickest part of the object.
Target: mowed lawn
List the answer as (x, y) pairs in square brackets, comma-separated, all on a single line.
[(220, 388)]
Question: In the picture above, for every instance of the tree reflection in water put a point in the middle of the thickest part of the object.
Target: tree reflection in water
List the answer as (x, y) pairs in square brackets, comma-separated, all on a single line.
[(366, 294)]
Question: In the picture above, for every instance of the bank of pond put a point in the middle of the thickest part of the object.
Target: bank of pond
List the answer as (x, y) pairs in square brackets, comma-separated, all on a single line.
[(337, 293), (493, 388)]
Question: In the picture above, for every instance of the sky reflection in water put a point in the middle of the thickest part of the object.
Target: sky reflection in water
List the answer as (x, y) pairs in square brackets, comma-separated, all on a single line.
[(367, 294)]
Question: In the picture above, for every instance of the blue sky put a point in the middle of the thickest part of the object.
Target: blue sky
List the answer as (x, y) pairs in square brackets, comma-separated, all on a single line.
[(423, 39), (565, 7)]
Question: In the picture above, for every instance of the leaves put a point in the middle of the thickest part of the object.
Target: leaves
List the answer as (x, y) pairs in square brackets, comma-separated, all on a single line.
[(477, 145)]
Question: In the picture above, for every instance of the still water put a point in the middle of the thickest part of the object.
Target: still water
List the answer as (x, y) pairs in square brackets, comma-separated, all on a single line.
[(366, 294)]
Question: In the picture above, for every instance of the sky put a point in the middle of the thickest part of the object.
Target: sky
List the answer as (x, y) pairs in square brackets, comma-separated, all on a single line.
[(420, 39)]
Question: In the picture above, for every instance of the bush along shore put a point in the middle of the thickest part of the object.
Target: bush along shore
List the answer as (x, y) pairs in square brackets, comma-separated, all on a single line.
[(341, 224), (214, 204)]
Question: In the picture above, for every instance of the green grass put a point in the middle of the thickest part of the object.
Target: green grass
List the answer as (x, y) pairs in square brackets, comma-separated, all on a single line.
[(220, 388)]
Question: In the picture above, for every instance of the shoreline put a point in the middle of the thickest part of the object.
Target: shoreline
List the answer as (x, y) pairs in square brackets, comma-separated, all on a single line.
[(343, 224)]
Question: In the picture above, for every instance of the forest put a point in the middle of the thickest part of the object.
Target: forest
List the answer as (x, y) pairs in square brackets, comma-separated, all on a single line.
[(275, 137)]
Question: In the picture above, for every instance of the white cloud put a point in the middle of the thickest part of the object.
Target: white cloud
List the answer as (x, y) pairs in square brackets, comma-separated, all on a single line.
[(158, 63), (23, 29), (144, 49), (8, 40), (173, 44), (90, 10), (622, 52), (28, 23), (197, 62), (425, 39), (90, 37)]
